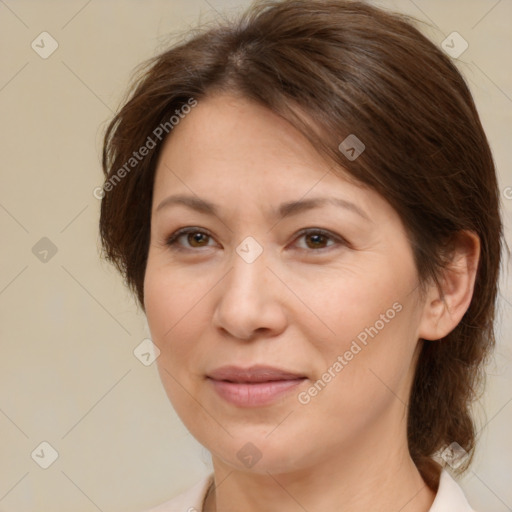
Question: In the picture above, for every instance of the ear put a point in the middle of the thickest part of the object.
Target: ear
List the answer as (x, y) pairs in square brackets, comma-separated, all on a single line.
[(444, 308)]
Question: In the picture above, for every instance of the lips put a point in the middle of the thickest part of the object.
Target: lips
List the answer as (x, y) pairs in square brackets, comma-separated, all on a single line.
[(256, 386), (254, 374)]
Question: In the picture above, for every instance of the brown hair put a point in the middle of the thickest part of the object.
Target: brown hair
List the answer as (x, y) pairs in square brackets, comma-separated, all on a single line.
[(334, 68)]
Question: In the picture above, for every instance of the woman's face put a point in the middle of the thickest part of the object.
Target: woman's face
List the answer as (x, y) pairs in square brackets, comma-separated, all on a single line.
[(336, 307)]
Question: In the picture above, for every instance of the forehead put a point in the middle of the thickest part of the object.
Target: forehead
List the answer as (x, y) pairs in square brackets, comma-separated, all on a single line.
[(227, 136)]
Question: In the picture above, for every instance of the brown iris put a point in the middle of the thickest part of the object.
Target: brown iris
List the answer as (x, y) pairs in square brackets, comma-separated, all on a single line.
[(318, 240), (197, 237)]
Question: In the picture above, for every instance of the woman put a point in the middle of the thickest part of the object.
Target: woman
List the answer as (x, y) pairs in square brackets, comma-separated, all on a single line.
[(305, 204)]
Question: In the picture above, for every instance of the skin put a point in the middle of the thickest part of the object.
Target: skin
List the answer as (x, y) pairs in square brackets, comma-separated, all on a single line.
[(298, 306)]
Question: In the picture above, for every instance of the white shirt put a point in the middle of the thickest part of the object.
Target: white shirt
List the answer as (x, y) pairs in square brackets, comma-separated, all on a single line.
[(449, 497)]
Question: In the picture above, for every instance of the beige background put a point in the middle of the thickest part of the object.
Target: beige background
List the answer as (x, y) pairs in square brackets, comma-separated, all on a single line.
[(68, 375)]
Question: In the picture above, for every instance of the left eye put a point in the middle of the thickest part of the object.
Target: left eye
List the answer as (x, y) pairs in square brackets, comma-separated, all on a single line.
[(314, 239)]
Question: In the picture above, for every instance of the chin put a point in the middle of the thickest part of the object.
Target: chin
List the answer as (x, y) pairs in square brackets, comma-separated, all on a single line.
[(255, 453)]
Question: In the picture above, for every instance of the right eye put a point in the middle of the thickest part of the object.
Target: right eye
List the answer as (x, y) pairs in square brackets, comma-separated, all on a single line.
[(194, 237)]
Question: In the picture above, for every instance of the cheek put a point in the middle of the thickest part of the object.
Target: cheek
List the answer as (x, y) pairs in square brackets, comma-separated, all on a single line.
[(342, 308), (372, 360), (364, 328), (173, 310), (357, 383)]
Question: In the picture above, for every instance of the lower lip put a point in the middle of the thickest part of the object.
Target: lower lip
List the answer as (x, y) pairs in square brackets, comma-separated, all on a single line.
[(253, 395)]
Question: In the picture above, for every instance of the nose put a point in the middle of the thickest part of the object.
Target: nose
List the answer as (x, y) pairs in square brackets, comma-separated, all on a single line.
[(249, 301)]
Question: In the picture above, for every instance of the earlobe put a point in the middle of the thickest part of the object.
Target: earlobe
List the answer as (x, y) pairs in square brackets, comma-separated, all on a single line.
[(444, 307)]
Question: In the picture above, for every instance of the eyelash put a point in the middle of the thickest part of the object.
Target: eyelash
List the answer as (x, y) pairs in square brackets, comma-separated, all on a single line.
[(172, 240)]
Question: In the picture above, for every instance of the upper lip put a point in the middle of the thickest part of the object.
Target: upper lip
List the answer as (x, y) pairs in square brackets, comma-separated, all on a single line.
[(256, 373)]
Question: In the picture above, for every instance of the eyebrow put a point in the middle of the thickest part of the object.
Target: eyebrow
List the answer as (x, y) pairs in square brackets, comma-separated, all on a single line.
[(285, 209)]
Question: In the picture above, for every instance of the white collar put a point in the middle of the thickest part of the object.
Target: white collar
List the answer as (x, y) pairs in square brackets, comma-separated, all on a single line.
[(449, 497)]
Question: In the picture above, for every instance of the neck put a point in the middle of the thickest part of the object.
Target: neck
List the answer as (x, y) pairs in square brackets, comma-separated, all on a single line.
[(367, 476)]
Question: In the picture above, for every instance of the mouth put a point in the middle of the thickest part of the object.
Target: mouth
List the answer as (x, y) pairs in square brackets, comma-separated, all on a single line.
[(255, 386)]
